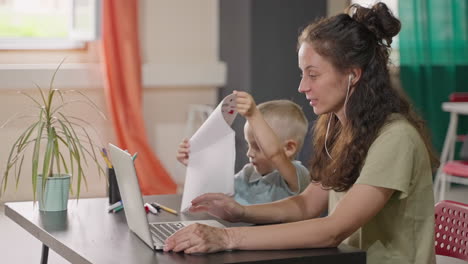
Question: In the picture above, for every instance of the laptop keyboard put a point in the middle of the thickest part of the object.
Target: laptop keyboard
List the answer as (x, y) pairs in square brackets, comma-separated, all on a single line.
[(161, 231)]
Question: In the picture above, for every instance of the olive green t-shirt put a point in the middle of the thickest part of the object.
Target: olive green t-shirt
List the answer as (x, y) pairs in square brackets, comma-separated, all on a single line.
[(403, 231)]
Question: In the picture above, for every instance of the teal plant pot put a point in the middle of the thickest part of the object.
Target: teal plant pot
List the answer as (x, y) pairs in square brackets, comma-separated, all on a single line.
[(55, 195)]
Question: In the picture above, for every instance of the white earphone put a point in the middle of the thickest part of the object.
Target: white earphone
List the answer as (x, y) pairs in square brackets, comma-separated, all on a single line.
[(350, 78)]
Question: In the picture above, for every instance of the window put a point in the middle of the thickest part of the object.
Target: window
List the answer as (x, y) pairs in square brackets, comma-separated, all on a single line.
[(48, 24)]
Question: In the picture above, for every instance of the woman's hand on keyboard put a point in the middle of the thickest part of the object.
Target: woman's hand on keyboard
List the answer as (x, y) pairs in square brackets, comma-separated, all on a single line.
[(198, 238)]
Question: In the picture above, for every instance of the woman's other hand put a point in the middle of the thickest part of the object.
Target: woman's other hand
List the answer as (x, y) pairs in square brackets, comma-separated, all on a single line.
[(219, 205)]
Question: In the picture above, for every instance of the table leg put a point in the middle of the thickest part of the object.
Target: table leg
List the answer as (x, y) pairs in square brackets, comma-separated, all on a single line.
[(447, 155), (45, 254)]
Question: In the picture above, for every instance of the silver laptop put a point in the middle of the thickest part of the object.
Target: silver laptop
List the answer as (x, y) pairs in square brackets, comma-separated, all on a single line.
[(153, 234)]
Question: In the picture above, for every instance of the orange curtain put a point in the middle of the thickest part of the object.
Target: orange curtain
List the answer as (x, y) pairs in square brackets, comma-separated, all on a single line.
[(123, 88)]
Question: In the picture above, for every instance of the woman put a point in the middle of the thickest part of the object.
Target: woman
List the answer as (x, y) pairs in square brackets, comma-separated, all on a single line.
[(372, 163)]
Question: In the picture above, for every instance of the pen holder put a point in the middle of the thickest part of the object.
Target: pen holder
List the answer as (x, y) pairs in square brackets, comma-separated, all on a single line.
[(114, 193)]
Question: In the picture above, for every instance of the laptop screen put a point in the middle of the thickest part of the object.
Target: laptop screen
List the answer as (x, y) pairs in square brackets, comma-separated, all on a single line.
[(130, 193)]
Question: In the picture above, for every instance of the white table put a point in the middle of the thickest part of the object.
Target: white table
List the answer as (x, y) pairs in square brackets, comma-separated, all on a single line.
[(448, 150)]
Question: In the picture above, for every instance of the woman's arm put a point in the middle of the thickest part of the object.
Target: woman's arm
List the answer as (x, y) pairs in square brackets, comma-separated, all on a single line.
[(309, 204), (358, 206)]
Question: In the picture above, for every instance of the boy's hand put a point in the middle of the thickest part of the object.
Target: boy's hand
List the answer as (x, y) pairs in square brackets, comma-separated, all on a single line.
[(245, 104), (183, 152)]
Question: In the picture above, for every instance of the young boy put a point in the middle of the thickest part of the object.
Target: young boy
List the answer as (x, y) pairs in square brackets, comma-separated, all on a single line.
[(274, 132)]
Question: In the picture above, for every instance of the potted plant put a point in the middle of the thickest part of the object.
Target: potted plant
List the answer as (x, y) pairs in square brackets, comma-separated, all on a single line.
[(60, 145)]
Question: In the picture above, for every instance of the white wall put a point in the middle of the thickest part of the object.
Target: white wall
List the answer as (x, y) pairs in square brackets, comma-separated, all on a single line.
[(180, 38), (179, 42)]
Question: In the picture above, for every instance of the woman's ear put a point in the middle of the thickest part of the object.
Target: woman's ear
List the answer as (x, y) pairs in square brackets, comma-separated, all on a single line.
[(355, 75), (290, 148)]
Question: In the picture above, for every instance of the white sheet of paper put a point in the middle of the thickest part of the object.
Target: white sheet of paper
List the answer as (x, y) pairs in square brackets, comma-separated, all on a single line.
[(212, 155)]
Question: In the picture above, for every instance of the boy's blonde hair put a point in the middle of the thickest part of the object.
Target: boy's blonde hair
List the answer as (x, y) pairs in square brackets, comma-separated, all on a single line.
[(287, 120)]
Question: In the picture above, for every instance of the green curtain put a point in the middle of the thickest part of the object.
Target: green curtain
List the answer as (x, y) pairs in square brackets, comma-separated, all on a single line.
[(434, 58)]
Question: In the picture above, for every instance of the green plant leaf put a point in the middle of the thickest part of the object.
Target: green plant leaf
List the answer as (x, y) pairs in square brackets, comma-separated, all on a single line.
[(42, 96), (49, 103), (30, 97), (72, 148), (89, 103), (57, 154), (35, 158), (93, 156), (18, 145), (13, 118), (48, 154), (75, 137), (55, 73), (80, 124), (64, 163), (19, 172), (29, 131), (75, 143), (12, 159)]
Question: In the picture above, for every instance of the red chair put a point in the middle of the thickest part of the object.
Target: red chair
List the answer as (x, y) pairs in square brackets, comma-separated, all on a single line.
[(451, 229), (455, 171)]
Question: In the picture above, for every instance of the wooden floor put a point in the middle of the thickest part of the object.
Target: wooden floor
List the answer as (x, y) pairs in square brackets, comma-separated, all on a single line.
[(18, 246)]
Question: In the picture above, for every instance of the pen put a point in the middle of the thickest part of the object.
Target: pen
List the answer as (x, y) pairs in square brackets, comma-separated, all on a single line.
[(106, 159), (117, 209), (151, 208), (167, 209), (135, 156), (113, 206)]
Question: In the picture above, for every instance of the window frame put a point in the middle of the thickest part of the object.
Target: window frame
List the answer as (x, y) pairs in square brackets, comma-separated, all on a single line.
[(77, 39)]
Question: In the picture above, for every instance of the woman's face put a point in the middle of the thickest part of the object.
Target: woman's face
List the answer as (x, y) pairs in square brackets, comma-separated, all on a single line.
[(322, 84)]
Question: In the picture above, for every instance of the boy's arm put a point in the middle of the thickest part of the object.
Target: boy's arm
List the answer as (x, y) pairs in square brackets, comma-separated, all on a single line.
[(267, 140), (271, 146)]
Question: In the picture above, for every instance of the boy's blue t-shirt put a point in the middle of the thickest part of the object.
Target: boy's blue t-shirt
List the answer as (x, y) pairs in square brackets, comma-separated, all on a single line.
[(253, 188)]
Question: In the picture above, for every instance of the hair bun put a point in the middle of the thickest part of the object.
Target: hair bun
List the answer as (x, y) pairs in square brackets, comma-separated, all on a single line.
[(379, 19)]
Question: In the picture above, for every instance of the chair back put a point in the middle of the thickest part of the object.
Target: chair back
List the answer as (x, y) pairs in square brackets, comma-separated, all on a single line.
[(451, 229)]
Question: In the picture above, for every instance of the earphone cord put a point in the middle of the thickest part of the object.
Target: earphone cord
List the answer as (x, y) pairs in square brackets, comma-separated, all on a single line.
[(326, 136), (329, 120), (347, 94)]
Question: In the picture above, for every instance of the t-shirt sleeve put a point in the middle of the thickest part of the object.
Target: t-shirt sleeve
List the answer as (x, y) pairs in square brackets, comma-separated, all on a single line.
[(303, 177), (390, 162)]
